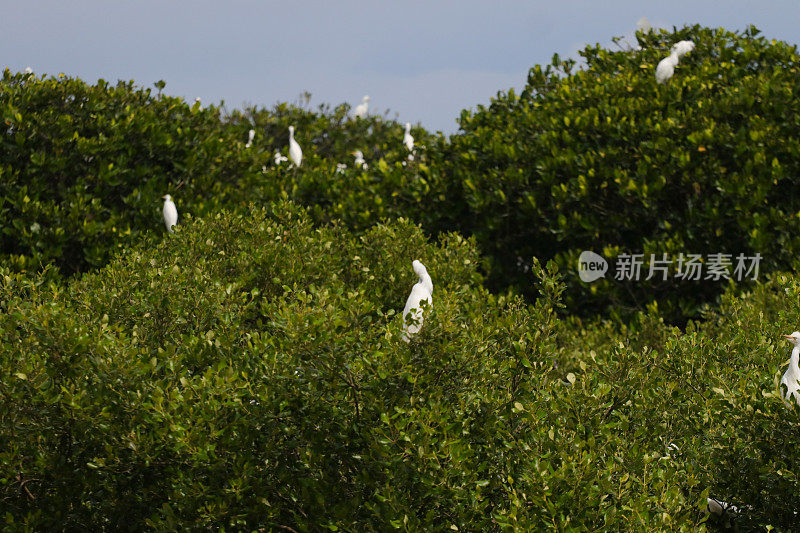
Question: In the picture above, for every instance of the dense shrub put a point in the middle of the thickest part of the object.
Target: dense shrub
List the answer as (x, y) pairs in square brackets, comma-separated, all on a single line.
[(749, 436), (392, 186), (710, 395), (598, 158), (248, 372), (83, 167), (603, 158)]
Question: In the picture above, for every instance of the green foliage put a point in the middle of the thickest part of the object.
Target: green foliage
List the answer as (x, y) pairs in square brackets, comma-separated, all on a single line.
[(83, 167), (603, 158), (392, 186), (237, 374), (709, 395), (600, 158), (249, 373), (751, 440)]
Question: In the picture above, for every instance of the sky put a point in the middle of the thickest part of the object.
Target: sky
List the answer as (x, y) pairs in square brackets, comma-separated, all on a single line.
[(422, 61)]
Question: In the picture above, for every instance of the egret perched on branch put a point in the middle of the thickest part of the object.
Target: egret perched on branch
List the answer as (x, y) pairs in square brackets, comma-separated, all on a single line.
[(362, 108), (360, 162), (28, 70), (250, 136), (408, 140), (666, 68), (295, 153), (170, 212), (792, 375), (422, 290), (643, 25)]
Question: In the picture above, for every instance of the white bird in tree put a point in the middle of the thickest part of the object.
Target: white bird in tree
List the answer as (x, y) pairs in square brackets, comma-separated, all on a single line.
[(408, 140), (644, 25), (719, 507), (421, 291), (666, 68), (279, 158), (360, 162), (362, 108), (170, 212), (28, 70), (250, 136), (295, 153), (681, 48), (792, 375)]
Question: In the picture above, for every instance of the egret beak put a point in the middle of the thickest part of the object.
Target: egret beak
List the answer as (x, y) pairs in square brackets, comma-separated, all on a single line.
[(789, 337), (164, 197)]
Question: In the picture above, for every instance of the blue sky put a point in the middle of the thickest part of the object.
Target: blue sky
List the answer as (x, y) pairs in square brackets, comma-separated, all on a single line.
[(423, 61)]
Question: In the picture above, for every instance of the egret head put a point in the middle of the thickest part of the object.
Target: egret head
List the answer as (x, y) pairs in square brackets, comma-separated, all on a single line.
[(291, 130), (682, 47), (357, 153), (168, 198), (365, 99), (419, 269), (794, 338), (408, 126)]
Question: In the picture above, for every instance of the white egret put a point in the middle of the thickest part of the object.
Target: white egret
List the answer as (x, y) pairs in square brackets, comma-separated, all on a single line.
[(422, 290), (280, 158), (170, 212), (792, 375), (408, 140), (250, 136), (644, 25), (295, 153), (718, 507), (28, 70), (681, 48), (360, 162), (362, 108), (666, 68)]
